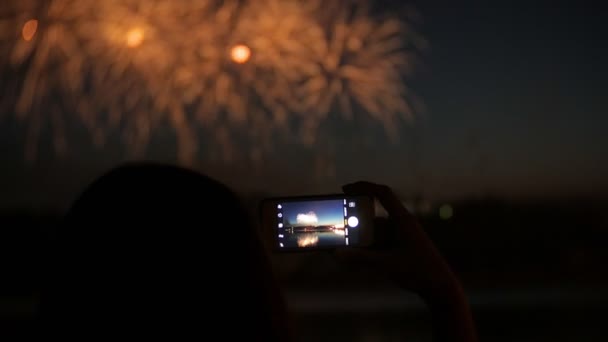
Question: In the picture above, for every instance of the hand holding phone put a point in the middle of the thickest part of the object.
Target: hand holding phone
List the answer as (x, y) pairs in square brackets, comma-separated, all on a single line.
[(410, 258), (318, 222), (402, 249)]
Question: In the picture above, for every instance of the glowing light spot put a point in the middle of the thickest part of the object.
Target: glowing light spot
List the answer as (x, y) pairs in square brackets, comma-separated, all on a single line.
[(240, 54), (307, 218), (340, 232), (308, 240), (29, 30), (353, 221), (135, 37), (446, 212)]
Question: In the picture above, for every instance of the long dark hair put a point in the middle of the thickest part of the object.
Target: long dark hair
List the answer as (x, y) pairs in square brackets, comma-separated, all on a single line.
[(152, 249)]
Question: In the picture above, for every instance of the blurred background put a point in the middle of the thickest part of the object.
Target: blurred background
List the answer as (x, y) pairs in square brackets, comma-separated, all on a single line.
[(488, 120)]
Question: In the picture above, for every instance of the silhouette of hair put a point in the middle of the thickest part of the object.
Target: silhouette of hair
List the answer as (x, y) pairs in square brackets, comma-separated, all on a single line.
[(156, 250)]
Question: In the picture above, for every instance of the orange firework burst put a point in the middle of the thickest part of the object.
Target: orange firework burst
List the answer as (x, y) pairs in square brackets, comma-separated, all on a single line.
[(200, 66), (361, 63)]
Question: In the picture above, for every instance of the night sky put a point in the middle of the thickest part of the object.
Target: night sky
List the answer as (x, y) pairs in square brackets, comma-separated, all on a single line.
[(327, 212), (515, 106)]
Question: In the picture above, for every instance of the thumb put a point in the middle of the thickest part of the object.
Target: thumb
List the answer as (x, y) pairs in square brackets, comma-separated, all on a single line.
[(360, 256)]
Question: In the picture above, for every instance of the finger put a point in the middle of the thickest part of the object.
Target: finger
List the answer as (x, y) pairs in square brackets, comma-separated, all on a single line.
[(382, 223), (385, 196), (364, 188), (383, 233), (360, 256), (383, 193)]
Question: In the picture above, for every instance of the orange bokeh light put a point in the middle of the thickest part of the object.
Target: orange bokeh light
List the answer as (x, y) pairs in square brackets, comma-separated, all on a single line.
[(29, 30), (240, 53), (135, 37)]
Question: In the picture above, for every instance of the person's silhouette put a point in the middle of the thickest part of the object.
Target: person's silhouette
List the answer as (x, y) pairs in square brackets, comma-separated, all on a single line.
[(151, 250), (155, 251)]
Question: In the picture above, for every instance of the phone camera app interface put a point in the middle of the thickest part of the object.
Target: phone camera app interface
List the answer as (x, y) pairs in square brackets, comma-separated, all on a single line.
[(317, 223)]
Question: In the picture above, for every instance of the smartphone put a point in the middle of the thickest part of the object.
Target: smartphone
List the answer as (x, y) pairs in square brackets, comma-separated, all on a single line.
[(317, 222)]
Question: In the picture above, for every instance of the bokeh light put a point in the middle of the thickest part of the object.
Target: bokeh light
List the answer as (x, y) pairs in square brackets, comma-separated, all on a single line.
[(29, 30), (446, 212), (240, 53), (135, 37)]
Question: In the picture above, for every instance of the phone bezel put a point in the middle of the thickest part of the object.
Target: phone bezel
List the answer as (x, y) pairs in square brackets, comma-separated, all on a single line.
[(268, 220)]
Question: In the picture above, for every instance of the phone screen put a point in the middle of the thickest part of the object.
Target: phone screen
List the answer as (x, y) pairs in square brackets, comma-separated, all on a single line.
[(319, 222)]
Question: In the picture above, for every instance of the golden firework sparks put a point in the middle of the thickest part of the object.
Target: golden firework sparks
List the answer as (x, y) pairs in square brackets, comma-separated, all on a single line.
[(135, 37), (361, 63), (29, 29), (240, 53), (215, 65)]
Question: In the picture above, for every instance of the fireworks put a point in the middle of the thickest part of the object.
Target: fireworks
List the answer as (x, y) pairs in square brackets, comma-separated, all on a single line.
[(240, 53), (200, 67)]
